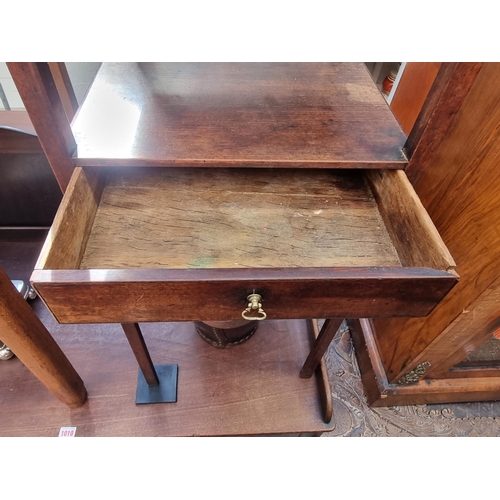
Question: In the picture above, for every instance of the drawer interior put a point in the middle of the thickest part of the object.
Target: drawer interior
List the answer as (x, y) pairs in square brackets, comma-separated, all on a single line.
[(181, 218), (156, 218)]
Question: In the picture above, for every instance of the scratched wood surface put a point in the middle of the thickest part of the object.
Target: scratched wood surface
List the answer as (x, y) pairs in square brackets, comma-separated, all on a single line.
[(472, 328), (413, 233), (131, 295), (459, 188), (237, 114), (225, 218), (253, 388), (65, 243)]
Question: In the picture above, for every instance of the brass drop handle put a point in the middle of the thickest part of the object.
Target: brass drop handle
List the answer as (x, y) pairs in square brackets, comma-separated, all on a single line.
[(254, 304)]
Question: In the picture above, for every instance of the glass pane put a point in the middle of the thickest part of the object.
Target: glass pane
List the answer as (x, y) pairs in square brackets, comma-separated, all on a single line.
[(487, 355)]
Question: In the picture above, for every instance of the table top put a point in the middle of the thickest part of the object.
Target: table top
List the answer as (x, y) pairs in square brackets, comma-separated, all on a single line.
[(237, 114)]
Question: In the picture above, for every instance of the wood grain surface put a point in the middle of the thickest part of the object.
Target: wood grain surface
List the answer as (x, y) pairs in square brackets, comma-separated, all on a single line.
[(199, 218), (38, 91), (237, 114), (469, 331), (320, 345), (460, 190), (445, 98), (413, 233), (324, 388), (67, 238), (253, 388), (380, 392), (192, 244), (132, 295)]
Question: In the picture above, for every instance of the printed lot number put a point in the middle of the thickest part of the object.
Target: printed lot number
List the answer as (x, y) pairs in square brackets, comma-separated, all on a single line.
[(67, 432)]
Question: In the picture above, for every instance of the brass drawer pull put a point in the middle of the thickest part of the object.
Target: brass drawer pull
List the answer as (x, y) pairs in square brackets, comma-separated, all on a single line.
[(254, 304)]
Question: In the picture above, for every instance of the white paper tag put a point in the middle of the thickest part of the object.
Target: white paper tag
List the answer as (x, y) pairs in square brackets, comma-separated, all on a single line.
[(67, 432)]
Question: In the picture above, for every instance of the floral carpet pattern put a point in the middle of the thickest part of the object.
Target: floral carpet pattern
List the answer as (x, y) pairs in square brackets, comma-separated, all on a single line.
[(355, 418)]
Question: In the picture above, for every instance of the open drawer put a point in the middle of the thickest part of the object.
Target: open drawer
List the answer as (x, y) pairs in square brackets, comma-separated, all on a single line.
[(181, 244)]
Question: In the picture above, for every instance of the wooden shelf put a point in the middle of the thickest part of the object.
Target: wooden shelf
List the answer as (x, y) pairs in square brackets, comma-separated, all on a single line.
[(237, 114), (252, 388)]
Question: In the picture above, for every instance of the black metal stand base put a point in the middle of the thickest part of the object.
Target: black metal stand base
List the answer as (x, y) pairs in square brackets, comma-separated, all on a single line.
[(165, 392)]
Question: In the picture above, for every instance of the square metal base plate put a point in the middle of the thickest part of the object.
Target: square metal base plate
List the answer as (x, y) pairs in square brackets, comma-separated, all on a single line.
[(166, 392)]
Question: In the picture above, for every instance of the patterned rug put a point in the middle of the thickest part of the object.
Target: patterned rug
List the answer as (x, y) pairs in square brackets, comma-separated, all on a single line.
[(355, 418)]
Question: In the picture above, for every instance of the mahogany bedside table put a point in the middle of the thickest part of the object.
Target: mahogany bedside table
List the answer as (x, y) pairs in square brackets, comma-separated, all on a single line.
[(197, 186)]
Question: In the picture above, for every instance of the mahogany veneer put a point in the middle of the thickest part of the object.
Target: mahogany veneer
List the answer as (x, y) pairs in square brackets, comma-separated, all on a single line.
[(237, 114), (343, 234)]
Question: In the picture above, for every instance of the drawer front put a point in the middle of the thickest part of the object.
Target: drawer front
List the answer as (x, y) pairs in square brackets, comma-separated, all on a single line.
[(110, 296)]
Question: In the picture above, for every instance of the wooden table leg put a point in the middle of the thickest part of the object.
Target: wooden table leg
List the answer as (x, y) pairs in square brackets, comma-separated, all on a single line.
[(138, 345), (31, 342), (155, 384), (324, 388), (319, 347)]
